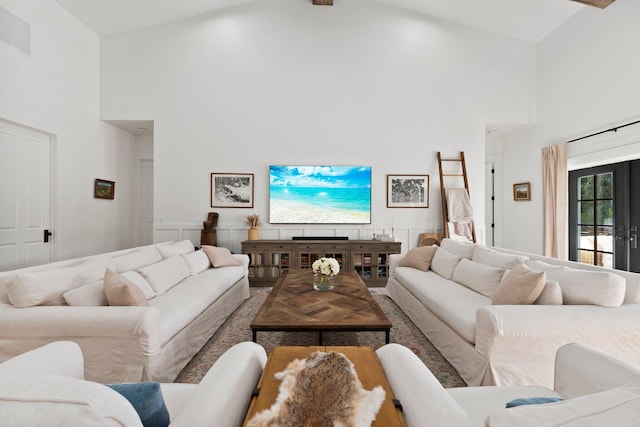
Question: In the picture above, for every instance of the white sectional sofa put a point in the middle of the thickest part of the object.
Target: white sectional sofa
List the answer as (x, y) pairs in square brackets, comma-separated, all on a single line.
[(46, 387), (596, 390), (184, 301), (515, 344)]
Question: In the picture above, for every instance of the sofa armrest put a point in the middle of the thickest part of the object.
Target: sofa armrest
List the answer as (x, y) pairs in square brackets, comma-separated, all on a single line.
[(394, 260), (582, 370), (244, 259), (222, 397), (421, 395), (531, 335), (58, 358)]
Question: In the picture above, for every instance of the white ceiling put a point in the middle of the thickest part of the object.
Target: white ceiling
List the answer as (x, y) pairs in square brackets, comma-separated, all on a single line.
[(529, 20)]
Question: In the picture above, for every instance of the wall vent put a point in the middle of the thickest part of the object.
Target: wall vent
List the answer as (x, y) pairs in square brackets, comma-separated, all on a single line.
[(14, 31)]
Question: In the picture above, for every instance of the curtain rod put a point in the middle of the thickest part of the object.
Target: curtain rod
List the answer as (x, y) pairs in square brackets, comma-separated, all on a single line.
[(615, 129)]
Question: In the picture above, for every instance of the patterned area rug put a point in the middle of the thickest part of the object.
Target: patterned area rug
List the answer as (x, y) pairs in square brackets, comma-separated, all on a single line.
[(236, 329)]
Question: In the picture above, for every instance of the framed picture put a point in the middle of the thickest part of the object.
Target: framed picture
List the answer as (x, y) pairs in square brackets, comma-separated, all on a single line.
[(103, 189), (522, 191), (407, 191), (231, 190)]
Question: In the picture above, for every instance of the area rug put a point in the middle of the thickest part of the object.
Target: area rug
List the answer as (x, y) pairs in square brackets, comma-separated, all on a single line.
[(236, 329)]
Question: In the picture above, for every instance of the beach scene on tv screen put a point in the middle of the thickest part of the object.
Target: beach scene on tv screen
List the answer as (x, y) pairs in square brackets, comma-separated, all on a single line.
[(320, 194)]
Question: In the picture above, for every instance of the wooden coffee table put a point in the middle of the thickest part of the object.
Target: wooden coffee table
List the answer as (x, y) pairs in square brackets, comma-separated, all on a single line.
[(367, 366), (293, 305)]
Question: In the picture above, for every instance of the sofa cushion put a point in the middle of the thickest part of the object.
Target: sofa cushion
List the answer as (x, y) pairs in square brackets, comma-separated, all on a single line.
[(146, 398), (91, 294), (462, 249), (177, 248), (496, 259), (551, 294), (219, 256), (136, 259), (196, 261), (164, 275), (183, 303), (483, 279), (93, 269), (616, 407), (46, 287), (520, 285), (36, 399), (419, 257), (122, 291), (444, 263), (582, 287), (454, 304), (140, 282)]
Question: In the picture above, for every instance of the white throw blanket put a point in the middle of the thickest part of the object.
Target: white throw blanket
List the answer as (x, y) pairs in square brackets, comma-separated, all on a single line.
[(458, 205)]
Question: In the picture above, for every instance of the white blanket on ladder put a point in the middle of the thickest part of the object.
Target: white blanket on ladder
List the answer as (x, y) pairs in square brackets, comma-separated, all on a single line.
[(460, 212)]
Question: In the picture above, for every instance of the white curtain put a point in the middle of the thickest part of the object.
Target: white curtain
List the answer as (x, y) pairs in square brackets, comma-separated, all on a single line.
[(555, 194)]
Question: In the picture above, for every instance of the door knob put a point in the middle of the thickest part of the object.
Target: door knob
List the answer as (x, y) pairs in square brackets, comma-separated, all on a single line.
[(47, 233)]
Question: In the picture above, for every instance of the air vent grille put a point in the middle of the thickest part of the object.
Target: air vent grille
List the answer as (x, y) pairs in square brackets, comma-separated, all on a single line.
[(14, 31)]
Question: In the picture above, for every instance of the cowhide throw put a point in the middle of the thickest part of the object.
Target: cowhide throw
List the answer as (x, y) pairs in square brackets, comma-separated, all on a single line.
[(321, 390)]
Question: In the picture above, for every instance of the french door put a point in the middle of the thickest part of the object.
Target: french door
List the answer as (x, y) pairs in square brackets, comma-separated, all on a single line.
[(604, 214)]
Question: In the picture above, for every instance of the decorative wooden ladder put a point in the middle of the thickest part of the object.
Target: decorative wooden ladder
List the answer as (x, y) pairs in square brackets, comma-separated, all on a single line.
[(443, 198)]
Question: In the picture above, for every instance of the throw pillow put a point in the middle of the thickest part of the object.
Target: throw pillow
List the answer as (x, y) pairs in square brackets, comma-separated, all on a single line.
[(220, 257), (42, 287), (519, 286), (444, 262), (481, 278), (197, 261), (136, 259), (551, 294), (91, 294), (419, 258), (164, 275), (532, 401), (178, 248), (140, 282), (122, 291), (146, 398)]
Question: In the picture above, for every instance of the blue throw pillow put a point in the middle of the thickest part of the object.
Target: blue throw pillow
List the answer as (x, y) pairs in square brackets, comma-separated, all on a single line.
[(532, 401), (146, 398)]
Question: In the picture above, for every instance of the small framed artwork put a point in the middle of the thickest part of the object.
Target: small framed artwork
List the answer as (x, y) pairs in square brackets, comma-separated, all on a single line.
[(407, 191), (231, 190), (103, 189), (522, 191)]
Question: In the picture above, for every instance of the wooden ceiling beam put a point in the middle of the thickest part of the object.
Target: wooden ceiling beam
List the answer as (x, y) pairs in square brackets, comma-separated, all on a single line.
[(597, 3), (323, 2)]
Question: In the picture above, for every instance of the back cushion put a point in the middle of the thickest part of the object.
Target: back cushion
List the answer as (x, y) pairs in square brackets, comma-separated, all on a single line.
[(136, 259), (580, 287), (164, 275), (496, 259), (36, 399), (481, 278), (197, 261), (444, 262), (461, 249), (177, 248), (93, 269), (91, 294), (43, 287), (141, 283), (551, 294)]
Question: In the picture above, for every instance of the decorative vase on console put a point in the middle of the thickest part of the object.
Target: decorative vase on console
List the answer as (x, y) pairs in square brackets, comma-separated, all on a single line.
[(253, 221), (324, 270)]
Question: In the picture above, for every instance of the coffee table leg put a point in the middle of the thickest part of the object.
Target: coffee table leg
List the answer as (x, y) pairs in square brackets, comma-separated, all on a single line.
[(387, 336), (254, 333)]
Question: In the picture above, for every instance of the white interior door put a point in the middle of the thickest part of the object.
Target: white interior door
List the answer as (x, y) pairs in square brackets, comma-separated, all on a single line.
[(146, 201), (25, 196)]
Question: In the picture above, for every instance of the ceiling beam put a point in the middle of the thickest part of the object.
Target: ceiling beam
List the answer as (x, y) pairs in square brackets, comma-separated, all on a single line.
[(323, 2), (597, 3)]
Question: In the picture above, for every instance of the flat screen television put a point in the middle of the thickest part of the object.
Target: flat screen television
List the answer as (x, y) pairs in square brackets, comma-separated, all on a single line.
[(320, 194)]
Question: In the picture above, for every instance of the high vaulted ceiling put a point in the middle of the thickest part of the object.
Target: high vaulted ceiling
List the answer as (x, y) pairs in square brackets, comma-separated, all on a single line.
[(529, 20)]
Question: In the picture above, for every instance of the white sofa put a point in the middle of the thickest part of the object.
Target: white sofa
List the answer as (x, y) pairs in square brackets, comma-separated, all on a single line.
[(188, 300), (46, 387), (492, 344), (598, 390)]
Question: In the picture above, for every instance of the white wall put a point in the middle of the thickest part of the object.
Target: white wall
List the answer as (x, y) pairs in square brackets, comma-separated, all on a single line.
[(285, 82), (56, 90), (587, 81)]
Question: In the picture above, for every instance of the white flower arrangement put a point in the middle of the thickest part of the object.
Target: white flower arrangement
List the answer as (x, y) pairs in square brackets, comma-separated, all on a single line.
[(327, 266)]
